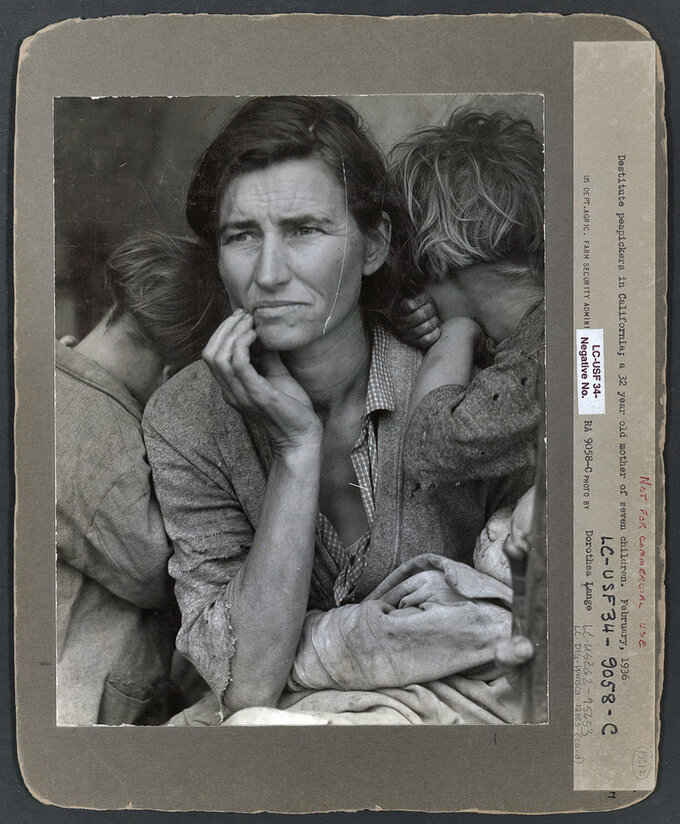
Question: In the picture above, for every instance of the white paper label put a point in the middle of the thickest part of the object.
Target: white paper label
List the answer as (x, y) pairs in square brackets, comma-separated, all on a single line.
[(590, 371)]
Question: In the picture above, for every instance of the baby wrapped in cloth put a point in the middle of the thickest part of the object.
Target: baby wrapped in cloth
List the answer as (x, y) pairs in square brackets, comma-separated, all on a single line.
[(418, 650)]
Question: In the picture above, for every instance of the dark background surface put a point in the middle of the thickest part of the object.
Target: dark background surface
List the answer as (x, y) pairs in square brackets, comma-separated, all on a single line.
[(20, 20)]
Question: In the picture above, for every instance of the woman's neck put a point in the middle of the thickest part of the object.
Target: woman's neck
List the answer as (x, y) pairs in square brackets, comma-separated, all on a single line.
[(333, 370)]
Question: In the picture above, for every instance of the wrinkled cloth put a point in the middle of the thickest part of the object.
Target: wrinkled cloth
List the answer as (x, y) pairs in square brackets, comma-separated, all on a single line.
[(418, 650), (430, 619), (210, 468), (488, 429), (115, 622), (457, 700)]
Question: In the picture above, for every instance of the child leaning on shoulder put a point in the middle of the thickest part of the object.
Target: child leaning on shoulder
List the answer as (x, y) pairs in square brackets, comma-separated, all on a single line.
[(473, 293)]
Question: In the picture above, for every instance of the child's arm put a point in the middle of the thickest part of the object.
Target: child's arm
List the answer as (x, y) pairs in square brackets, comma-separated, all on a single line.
[(479, 431), (450, 359)]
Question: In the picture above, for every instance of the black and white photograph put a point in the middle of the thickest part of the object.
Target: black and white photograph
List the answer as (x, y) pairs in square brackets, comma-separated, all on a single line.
[(340, 403), (299, 410)]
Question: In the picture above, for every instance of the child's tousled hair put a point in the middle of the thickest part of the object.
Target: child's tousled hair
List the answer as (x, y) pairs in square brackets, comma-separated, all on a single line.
[(168, 291), (473, 190)]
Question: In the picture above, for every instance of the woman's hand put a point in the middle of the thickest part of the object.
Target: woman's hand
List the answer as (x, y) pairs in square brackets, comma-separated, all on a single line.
[(268, 595), (274, 399), (417, 322), (419, 589)]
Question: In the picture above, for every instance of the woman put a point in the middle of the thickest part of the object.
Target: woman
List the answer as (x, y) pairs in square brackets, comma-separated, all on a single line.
[(278, 467)]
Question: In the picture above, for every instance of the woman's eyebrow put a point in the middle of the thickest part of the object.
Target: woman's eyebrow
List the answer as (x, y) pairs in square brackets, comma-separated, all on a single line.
[(321, 220), (307, 217), (236, 225)]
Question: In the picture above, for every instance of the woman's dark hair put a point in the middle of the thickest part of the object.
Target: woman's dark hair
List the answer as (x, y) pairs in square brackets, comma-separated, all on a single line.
[(168, 291), (268, 130)]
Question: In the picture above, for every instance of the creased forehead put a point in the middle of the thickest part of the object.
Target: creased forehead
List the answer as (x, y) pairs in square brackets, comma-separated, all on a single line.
[(291, 189)]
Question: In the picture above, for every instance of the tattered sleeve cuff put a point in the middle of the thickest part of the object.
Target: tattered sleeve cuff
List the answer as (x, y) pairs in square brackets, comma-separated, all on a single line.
[(208, 641)]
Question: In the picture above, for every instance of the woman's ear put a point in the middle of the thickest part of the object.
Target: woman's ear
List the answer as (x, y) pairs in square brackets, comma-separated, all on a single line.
[(377, 245)]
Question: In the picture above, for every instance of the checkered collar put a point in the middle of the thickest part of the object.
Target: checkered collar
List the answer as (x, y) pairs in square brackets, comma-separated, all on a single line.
[(379, 392)]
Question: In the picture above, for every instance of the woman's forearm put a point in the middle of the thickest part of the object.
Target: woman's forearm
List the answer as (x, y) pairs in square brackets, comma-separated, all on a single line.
[(269, 593)]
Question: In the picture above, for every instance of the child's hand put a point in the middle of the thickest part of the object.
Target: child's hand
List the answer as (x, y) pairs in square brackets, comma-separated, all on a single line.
[(417, 322)]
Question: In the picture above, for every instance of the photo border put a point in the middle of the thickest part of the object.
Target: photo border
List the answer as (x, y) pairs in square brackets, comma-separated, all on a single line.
[(30, 728)]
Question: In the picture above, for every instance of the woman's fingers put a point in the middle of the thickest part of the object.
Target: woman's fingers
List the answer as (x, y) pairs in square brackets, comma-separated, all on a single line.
[(240, 350), (276, 400), (218, 352), (221, 335), (229, 342), (421, 582), (258, 391), (272, 365)]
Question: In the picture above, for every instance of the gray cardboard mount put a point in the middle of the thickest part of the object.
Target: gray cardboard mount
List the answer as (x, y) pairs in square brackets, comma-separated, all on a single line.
[(297, 769)]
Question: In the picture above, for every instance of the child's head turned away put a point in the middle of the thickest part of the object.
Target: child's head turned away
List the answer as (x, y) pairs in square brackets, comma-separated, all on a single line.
[(473, 190)]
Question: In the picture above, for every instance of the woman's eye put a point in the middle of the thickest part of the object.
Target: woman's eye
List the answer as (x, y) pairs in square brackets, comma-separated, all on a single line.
[(238, 237), (306, 231)]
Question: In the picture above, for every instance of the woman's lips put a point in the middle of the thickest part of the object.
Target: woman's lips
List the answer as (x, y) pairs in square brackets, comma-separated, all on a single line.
[(275, 309)]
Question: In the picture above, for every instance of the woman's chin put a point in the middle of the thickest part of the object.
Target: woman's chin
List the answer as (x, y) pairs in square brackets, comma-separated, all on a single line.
[(282, 339)]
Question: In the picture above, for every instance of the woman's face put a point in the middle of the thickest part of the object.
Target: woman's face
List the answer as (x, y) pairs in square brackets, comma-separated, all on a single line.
[(291, 253)]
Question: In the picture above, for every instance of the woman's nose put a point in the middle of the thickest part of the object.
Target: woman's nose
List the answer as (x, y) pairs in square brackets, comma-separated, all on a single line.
[(271, 267)]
